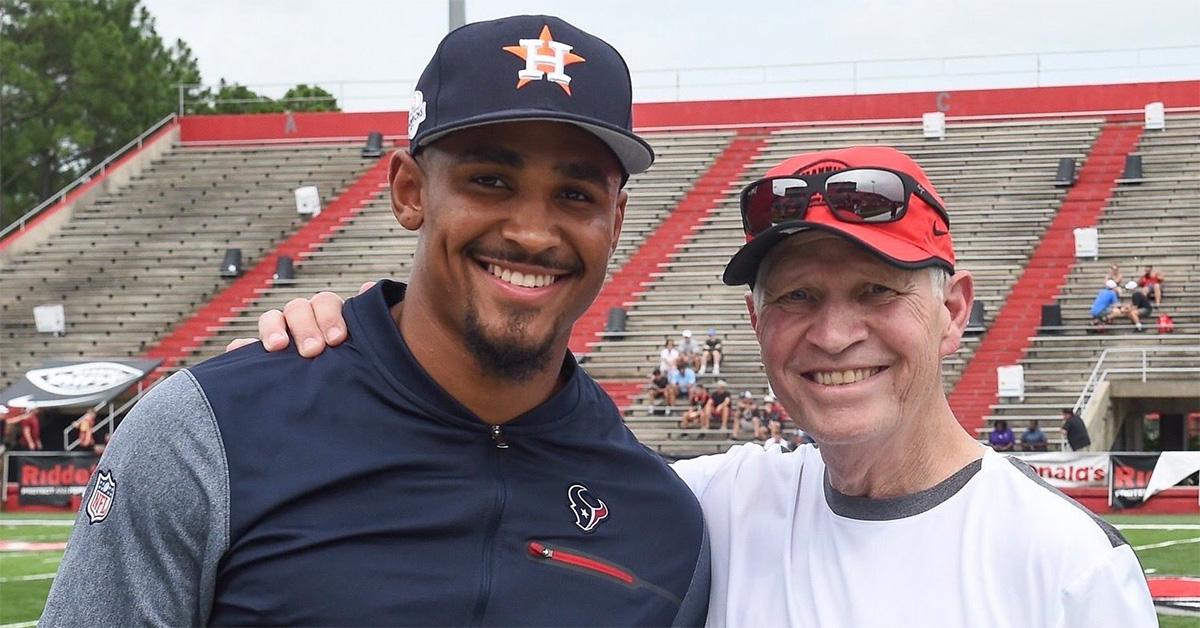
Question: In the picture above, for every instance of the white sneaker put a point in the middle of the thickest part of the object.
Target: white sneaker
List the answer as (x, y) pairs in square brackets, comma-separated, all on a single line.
[(716, 370)]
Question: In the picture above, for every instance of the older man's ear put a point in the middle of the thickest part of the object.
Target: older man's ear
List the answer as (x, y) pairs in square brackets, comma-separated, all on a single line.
[(957, 299)]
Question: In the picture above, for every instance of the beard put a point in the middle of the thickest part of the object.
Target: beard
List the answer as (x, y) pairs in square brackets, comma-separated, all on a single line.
[(512, 356)]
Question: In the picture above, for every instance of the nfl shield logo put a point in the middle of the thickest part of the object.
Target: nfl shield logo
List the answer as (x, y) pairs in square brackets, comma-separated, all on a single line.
[(102, 497)]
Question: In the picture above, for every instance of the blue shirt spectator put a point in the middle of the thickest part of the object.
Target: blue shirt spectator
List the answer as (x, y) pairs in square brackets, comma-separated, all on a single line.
[(1105, 300), (683, 378)]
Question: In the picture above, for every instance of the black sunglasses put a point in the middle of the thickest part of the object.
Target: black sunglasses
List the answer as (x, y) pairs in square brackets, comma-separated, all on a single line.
[(860, 195)]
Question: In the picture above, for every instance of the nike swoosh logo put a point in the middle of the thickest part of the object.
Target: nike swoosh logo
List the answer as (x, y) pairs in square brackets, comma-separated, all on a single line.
[(938, 233)]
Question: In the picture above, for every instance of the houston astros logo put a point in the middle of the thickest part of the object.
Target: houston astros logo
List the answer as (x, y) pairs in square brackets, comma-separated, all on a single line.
[(545, 58), (589, 510)]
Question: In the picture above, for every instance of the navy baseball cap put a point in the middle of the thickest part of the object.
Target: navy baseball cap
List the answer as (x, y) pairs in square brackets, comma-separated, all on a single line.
[(527, 67)]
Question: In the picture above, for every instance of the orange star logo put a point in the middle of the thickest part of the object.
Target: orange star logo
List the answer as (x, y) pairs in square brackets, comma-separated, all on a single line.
[(544, 59)]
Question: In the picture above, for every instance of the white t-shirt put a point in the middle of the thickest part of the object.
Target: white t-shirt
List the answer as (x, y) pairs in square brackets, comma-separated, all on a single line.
[(992, 545), (667, 359)]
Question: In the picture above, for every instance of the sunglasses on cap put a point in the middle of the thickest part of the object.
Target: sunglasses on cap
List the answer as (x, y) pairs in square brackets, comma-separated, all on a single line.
[(857, 195)]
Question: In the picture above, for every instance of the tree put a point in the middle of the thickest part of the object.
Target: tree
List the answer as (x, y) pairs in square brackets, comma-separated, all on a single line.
[(78, 80), (309, 98)]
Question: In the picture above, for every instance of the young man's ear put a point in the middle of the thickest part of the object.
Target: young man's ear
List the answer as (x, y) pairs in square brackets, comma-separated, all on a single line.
[(957, 299), (405, 180)]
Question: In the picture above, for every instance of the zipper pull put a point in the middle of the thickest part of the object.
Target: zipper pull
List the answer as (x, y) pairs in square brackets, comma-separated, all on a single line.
[(498, 438), (538, 550)]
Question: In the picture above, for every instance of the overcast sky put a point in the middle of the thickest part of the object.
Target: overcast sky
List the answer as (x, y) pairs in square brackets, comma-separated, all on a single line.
[(370, 52)]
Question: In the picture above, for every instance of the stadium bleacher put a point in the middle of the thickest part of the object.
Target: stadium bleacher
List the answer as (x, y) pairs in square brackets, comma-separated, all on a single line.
[(1151, 221), (132, 264)]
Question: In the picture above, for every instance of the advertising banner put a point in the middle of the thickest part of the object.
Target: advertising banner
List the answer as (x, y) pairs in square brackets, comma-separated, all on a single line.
[(1129, 477), (51, 479), (1070, 470)]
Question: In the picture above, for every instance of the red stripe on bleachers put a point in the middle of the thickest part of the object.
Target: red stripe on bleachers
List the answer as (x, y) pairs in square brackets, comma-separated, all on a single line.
[(623, 391), (686, 218), (1044, 276), (239, 294)]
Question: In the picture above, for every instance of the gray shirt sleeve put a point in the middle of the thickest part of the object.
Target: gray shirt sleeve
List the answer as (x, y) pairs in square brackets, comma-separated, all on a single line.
[(146, 551)]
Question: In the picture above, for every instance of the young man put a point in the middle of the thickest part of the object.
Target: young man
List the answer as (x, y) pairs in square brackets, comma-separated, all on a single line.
[(711, 353), (1107, 303), (681, 380), (450, 464), (1153, 281), (1033, 438), (890, 522), (720, 404), (689, 348)]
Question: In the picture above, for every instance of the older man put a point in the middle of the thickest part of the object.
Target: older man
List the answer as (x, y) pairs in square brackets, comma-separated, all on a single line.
[(894, 520)]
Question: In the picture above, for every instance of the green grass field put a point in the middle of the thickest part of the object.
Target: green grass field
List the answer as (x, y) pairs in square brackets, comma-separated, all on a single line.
[(25, 577)]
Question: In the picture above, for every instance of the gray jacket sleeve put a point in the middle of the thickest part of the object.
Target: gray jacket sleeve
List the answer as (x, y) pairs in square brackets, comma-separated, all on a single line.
[(145, 551)]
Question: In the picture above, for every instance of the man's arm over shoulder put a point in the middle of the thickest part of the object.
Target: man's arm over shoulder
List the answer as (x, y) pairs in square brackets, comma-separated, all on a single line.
[(154, 522)]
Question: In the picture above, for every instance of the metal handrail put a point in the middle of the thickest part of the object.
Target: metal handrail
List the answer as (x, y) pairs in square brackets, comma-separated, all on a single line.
[(101, 168), (142, 389), (1098, 376)]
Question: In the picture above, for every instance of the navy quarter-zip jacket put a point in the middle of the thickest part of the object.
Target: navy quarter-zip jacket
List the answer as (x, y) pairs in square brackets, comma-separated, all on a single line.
[(350, 489)]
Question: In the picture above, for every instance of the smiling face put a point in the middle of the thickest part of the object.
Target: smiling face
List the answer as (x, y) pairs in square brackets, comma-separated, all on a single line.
[(854, 353), (517, 222)]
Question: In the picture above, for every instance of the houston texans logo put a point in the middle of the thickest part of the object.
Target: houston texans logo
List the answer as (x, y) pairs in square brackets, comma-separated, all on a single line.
[(589, 510)]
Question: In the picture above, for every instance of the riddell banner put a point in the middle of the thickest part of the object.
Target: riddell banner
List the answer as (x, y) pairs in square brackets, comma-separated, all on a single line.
[(51, 480), (1070, 470), (1130, 477)]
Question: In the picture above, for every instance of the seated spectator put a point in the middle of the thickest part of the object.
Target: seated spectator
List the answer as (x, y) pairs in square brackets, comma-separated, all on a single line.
[(85, 424), (1001, 438), (1153, 281), (668, 356), (747, 414), (698, 394), (1114, 275), (1107, 303), (1141, 307), (772, 410), (775, 437), (1076, 430), (720, 404), (711, 353), (682, 380), (690, 349), (1034, 439), (656, 388), (694, 416)]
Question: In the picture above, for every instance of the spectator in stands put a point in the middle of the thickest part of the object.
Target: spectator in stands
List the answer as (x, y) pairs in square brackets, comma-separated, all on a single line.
[(682, 380), (711, 353), (1153, 280), (85, 424), (695, 415), (1033, 439), (1001, 438), (720, 405), (775, 436), (668, 357), (1140, 305), (747, 414), (689, 349), (1114, 275), (1107, 303), (657, 388), (772, 410), (1076, 430)]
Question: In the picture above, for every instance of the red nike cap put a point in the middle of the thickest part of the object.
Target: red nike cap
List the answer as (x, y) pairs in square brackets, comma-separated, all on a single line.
[(920, 239)]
